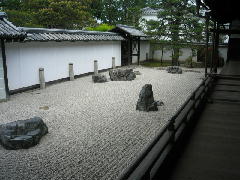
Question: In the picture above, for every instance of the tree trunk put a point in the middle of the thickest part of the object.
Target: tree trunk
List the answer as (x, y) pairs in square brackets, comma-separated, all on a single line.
[(175, 56), (162, 56)]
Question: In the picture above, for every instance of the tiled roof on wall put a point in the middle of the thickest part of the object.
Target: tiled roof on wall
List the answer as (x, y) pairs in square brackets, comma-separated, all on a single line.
[(8, 30), (42, 34), (129, 30)]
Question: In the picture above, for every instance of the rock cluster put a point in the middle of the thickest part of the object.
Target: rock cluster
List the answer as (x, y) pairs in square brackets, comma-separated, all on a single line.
[(122, 74), (22, 134), (99, 78), (174, 69), (146, 101)]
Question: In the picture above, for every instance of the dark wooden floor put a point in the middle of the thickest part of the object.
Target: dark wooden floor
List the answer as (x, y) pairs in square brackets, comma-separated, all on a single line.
[(213, 150)]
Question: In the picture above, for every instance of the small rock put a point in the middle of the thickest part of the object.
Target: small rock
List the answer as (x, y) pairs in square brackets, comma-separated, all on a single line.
[(174, 69), (22, 134), (137, 73), (99, 78), (159, 103), (44, 107), (122, 75), (146, 101)]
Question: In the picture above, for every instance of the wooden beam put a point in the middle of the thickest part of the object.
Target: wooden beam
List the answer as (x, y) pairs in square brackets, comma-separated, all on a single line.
[(5, 67), (138, 51)]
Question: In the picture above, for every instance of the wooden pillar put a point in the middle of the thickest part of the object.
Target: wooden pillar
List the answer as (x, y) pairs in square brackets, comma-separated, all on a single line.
[(213, 48), (138, 53), (129, 50), (42, 78), (216, 54), (207, 40), (4, 90), (71, 72)]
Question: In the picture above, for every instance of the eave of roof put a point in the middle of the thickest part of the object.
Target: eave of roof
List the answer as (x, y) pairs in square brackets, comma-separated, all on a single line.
[(8, 30), (130, 30)]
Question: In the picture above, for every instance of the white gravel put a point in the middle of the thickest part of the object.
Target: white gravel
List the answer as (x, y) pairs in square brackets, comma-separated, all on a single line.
[(94, 129)]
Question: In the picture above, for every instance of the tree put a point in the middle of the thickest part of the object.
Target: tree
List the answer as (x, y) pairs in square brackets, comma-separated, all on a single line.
[(177, 24), (118, 11), (72, 14)]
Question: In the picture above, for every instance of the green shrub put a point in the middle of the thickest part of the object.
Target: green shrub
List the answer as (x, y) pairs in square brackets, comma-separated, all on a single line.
[(101, 27)]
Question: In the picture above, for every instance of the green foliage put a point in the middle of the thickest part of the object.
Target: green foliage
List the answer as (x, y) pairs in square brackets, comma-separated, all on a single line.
[(178, 25), (101, 27), (118, 11), (72, 14)]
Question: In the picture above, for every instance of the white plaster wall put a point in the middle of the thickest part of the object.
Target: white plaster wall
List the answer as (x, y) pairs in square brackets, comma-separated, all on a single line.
[(185, 53), (223, 52), (2, 82), (145, 18), (167, 54), (25, 59), (150, 17), (144, 48)]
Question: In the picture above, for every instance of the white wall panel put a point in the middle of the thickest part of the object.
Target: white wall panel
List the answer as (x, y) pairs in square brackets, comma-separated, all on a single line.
[(24, 59)]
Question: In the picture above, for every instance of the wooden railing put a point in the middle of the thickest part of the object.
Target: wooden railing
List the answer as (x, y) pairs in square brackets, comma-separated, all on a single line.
[(150, 159)]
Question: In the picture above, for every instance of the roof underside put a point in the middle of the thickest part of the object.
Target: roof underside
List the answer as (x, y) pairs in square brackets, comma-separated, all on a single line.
[(223, 11), (8, 30), (41, 34)]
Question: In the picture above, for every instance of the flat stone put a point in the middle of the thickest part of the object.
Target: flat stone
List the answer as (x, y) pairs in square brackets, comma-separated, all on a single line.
[(146, 101), (22, 134), (122, 75), (44, 107), (174, 69), (137, 73), (99, 78)]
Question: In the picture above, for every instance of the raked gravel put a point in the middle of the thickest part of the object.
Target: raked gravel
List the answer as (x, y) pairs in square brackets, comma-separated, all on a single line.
[(94, 129)]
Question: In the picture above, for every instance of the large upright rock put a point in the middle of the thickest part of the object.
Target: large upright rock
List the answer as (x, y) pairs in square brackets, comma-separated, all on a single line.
[(146, 101), (122, 74), (22, 134)]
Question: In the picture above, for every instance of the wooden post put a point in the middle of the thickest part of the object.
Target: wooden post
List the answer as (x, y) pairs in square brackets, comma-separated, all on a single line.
[(4, 66), (71, 72), (42, 78), (216, 55), (147, 57), (113, 62), (95, 67), (129, 50), (138, 51), (207, 40), (213, 47)]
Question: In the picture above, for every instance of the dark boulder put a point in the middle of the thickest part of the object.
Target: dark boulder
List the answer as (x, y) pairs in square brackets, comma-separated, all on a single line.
[(174, 70), (146, 101), (122, 75), (22, 134), (99, 78)]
